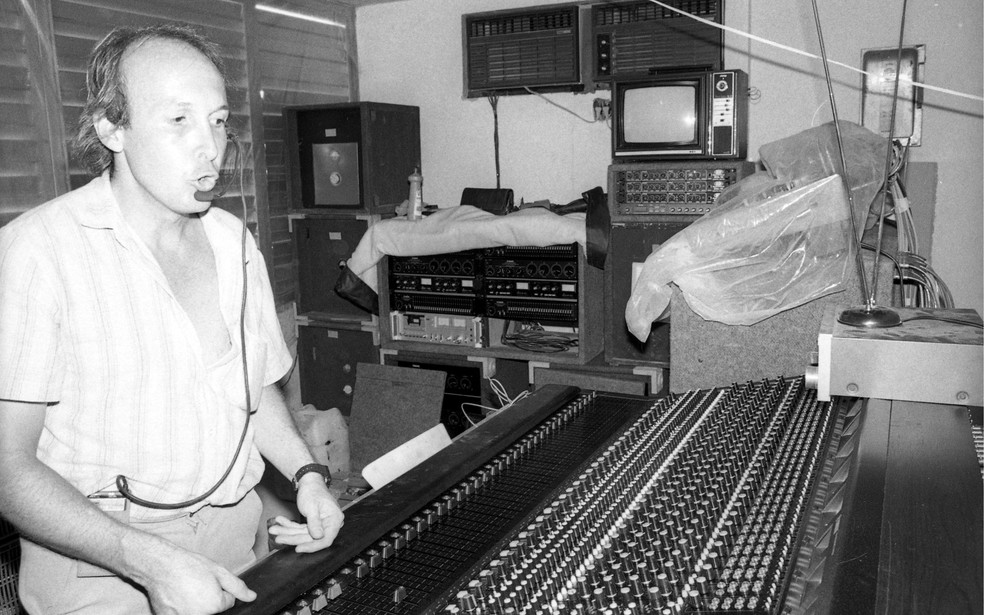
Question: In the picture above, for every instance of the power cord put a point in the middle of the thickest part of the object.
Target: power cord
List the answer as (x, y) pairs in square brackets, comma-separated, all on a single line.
[(534, 338), (505, 401), (494, 101)]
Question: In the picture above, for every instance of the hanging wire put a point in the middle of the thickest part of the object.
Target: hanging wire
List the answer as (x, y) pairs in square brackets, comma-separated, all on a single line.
[(494, 101)]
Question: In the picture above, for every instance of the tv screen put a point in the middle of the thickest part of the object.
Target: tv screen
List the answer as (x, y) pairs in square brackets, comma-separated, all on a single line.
[(657, 114)]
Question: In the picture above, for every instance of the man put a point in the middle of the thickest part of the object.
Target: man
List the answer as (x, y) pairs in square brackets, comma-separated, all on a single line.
[(121, 366)]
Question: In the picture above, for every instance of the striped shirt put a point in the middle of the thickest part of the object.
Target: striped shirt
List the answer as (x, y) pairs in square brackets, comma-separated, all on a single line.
[(88, 324)]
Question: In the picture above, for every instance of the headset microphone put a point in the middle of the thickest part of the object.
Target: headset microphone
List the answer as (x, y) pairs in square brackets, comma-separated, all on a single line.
[(207, 196)]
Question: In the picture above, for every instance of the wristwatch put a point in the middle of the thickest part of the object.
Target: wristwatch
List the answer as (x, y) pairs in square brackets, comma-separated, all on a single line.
[(312, 467)]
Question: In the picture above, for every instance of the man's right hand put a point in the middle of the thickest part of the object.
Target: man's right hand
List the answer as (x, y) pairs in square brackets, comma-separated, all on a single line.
[(191, 584)]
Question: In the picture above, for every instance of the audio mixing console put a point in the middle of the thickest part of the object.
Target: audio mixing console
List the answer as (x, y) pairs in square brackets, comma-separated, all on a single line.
[(734, 501)]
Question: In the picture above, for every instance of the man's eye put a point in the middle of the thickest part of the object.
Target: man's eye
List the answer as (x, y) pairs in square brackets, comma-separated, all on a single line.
[(179, 119), (221, 121)]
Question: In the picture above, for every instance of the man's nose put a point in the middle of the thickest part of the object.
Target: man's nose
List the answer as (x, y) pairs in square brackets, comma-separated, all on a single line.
[(213, 142)]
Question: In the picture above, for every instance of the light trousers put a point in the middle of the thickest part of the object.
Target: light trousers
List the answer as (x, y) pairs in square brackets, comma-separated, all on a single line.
[(49, 583)]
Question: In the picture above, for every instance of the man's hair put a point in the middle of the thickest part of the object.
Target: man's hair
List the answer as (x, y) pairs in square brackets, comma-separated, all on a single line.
[(105, 85)]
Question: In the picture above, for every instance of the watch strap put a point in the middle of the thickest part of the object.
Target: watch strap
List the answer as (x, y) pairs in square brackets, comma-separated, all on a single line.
[(312, 467)]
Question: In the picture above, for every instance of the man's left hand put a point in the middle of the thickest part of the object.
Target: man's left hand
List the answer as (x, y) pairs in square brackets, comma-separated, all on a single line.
[(322, 513)]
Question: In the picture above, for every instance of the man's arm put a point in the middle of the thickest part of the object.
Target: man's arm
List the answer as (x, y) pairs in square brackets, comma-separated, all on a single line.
[(277, 438), (45, 508)]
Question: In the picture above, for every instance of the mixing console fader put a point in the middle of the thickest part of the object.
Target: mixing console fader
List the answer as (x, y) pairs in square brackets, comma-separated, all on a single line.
[(719, 501)]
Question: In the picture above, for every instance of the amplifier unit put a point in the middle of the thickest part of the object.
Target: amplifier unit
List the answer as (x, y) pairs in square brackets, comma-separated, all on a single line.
[(638, 39), (462, 305), (537, 288), (544, 311), (663, 191), (506, 52), (566, 251), (445, 283), (457, 263), (455, 285), (439, 329), (509, 282), (532, 283), (543, 269)]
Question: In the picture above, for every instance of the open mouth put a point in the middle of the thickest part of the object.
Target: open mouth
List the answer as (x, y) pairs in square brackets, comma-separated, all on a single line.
[(206, 182)]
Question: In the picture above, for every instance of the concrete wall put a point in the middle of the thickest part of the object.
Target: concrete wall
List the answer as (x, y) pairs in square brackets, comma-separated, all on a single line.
[(410, 52)]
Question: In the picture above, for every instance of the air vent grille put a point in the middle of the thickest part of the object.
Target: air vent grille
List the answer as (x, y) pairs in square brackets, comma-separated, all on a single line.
[(637, 39), (617, 14), (509, 51), (513, 24)]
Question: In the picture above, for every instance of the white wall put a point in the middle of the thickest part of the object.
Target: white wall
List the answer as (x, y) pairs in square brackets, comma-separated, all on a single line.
[(410, 52)]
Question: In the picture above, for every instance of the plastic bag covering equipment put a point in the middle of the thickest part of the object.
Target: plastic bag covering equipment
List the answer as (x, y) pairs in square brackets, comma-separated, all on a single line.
[(812, 154), (773, 245)]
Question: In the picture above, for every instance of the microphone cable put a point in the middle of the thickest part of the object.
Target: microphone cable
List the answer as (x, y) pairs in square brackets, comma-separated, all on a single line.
[(121, 483)]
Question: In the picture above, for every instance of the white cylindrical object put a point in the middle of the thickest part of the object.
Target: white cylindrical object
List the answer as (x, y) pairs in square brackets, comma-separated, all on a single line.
[(415, 211)]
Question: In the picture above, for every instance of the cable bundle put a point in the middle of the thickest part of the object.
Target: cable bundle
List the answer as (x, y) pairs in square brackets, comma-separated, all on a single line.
[(921, 286)]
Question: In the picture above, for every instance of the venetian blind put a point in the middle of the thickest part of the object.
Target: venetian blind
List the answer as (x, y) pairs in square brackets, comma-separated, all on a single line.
[(300, 62), (32, 156)]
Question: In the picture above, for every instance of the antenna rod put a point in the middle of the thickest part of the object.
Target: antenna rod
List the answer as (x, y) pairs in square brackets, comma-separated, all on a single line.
[(840, 150), (867, 315), (888, 158)]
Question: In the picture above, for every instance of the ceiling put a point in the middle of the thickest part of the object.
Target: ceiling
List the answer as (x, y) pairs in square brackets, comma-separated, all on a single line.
[(358, 3)]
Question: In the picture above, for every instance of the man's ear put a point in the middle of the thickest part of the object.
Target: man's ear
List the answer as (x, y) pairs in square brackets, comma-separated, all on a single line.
[(109, 133)]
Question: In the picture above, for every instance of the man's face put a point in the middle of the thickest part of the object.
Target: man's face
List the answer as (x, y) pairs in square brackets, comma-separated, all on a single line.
[(176, 138)]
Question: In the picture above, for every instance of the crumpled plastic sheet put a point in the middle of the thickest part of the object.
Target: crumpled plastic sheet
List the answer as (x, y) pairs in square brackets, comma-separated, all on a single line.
[(773, 245), (813, 154), (777, 240)]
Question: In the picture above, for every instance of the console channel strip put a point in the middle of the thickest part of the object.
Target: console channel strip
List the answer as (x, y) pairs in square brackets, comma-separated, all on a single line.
[(532, 284), (681, 190), (441, 283)]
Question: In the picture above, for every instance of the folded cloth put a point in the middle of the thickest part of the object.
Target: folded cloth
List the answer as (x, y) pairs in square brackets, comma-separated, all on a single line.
[(461, 228)]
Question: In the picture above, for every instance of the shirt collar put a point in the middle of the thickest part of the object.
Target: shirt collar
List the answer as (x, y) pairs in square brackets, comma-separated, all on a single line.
[(100, 209)]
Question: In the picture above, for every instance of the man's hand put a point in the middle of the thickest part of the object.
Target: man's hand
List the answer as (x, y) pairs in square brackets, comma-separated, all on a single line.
[(323, 515), (190, 584)]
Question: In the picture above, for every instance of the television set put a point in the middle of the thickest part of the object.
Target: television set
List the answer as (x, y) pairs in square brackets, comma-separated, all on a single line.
[(680, 115)]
